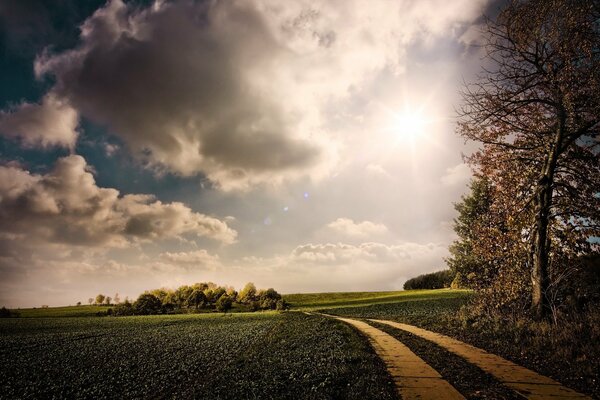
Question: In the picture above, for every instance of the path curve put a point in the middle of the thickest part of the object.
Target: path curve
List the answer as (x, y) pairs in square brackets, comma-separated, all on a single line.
[(527, 383), (414, 378)]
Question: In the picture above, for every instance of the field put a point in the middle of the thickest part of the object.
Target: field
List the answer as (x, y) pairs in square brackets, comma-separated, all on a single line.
[(70, 352), (569, 354), (317, 301), (261, 355), (68, 311)]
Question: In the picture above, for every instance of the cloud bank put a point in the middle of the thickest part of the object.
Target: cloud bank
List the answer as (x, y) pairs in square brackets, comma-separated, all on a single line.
[(66, 206)]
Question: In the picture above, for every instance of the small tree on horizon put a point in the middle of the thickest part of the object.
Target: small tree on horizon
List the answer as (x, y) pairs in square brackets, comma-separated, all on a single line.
[(100, 299)]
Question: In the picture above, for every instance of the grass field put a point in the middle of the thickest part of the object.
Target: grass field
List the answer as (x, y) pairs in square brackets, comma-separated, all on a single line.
[(314, 301), (69, 352), (68, 311), (237, 356)]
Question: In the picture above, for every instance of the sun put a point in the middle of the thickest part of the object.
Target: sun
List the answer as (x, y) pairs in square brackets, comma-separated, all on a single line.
[(410, 124)]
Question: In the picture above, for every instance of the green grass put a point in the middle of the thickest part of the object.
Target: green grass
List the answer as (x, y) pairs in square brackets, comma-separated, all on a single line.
[(68, 311), (238, 356), (313, 301)]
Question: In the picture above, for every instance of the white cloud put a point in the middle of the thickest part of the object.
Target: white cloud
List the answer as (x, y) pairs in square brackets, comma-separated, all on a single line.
[(457, 175), (65, 205), (51, 123), (348, 227), (198, 257)]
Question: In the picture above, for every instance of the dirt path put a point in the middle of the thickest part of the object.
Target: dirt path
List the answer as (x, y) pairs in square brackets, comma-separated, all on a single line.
[(413, 377), (527, 383)]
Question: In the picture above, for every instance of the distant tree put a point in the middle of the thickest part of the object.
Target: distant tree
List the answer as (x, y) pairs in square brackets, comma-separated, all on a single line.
[(196, 298), (268, 299), (224, 303), (78, 303), (124, 308), (116, 298), (107, 300), (100, 299), (231, 292), (434, 280), (147, 304), (90, 301), (181, 295), (247, 294)]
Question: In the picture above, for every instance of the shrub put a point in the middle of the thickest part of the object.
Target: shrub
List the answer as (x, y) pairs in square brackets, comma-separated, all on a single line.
[(147, 304), (123, 309)]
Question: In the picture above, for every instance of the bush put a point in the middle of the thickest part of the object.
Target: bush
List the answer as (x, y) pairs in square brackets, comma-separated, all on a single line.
[(434, 280), (147, 304), (123, 309)]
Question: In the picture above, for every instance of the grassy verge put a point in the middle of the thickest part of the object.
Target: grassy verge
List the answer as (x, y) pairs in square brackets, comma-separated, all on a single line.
[(569, 353), (258, 355)]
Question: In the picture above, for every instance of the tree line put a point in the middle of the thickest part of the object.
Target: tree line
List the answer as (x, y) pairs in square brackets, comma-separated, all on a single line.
[(434, 280), (199, 297)]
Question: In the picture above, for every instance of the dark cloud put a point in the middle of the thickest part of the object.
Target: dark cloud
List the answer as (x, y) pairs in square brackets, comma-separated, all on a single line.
[(176, 83)]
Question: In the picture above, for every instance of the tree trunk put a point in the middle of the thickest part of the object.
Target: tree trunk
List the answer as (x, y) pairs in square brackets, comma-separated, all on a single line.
[(539, 273), (540, 278)]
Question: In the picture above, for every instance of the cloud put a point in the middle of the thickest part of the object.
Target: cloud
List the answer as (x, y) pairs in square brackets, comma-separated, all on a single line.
[(198, 257), (66, 206), (348, 227), (377, 170), (241, 91), (51, 123), (370, 252), (457, 175), (366, 266)]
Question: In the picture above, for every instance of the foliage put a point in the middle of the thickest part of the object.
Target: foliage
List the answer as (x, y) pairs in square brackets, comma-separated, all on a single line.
[(224, 303), (247, 294), (433, 280), (100, 299), (536, 114), (471, 269), (147, 304), (239, 356), (124, 309), (202, 296)]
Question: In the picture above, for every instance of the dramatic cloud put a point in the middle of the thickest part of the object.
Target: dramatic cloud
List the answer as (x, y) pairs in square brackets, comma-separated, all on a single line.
[(239, 90), (66, 206), (51, 123), (361, 229)]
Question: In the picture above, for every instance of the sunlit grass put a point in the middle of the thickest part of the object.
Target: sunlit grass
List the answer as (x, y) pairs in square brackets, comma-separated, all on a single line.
[(308, 301)]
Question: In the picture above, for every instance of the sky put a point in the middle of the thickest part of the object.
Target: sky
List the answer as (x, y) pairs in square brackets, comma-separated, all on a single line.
[(307, 146)]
